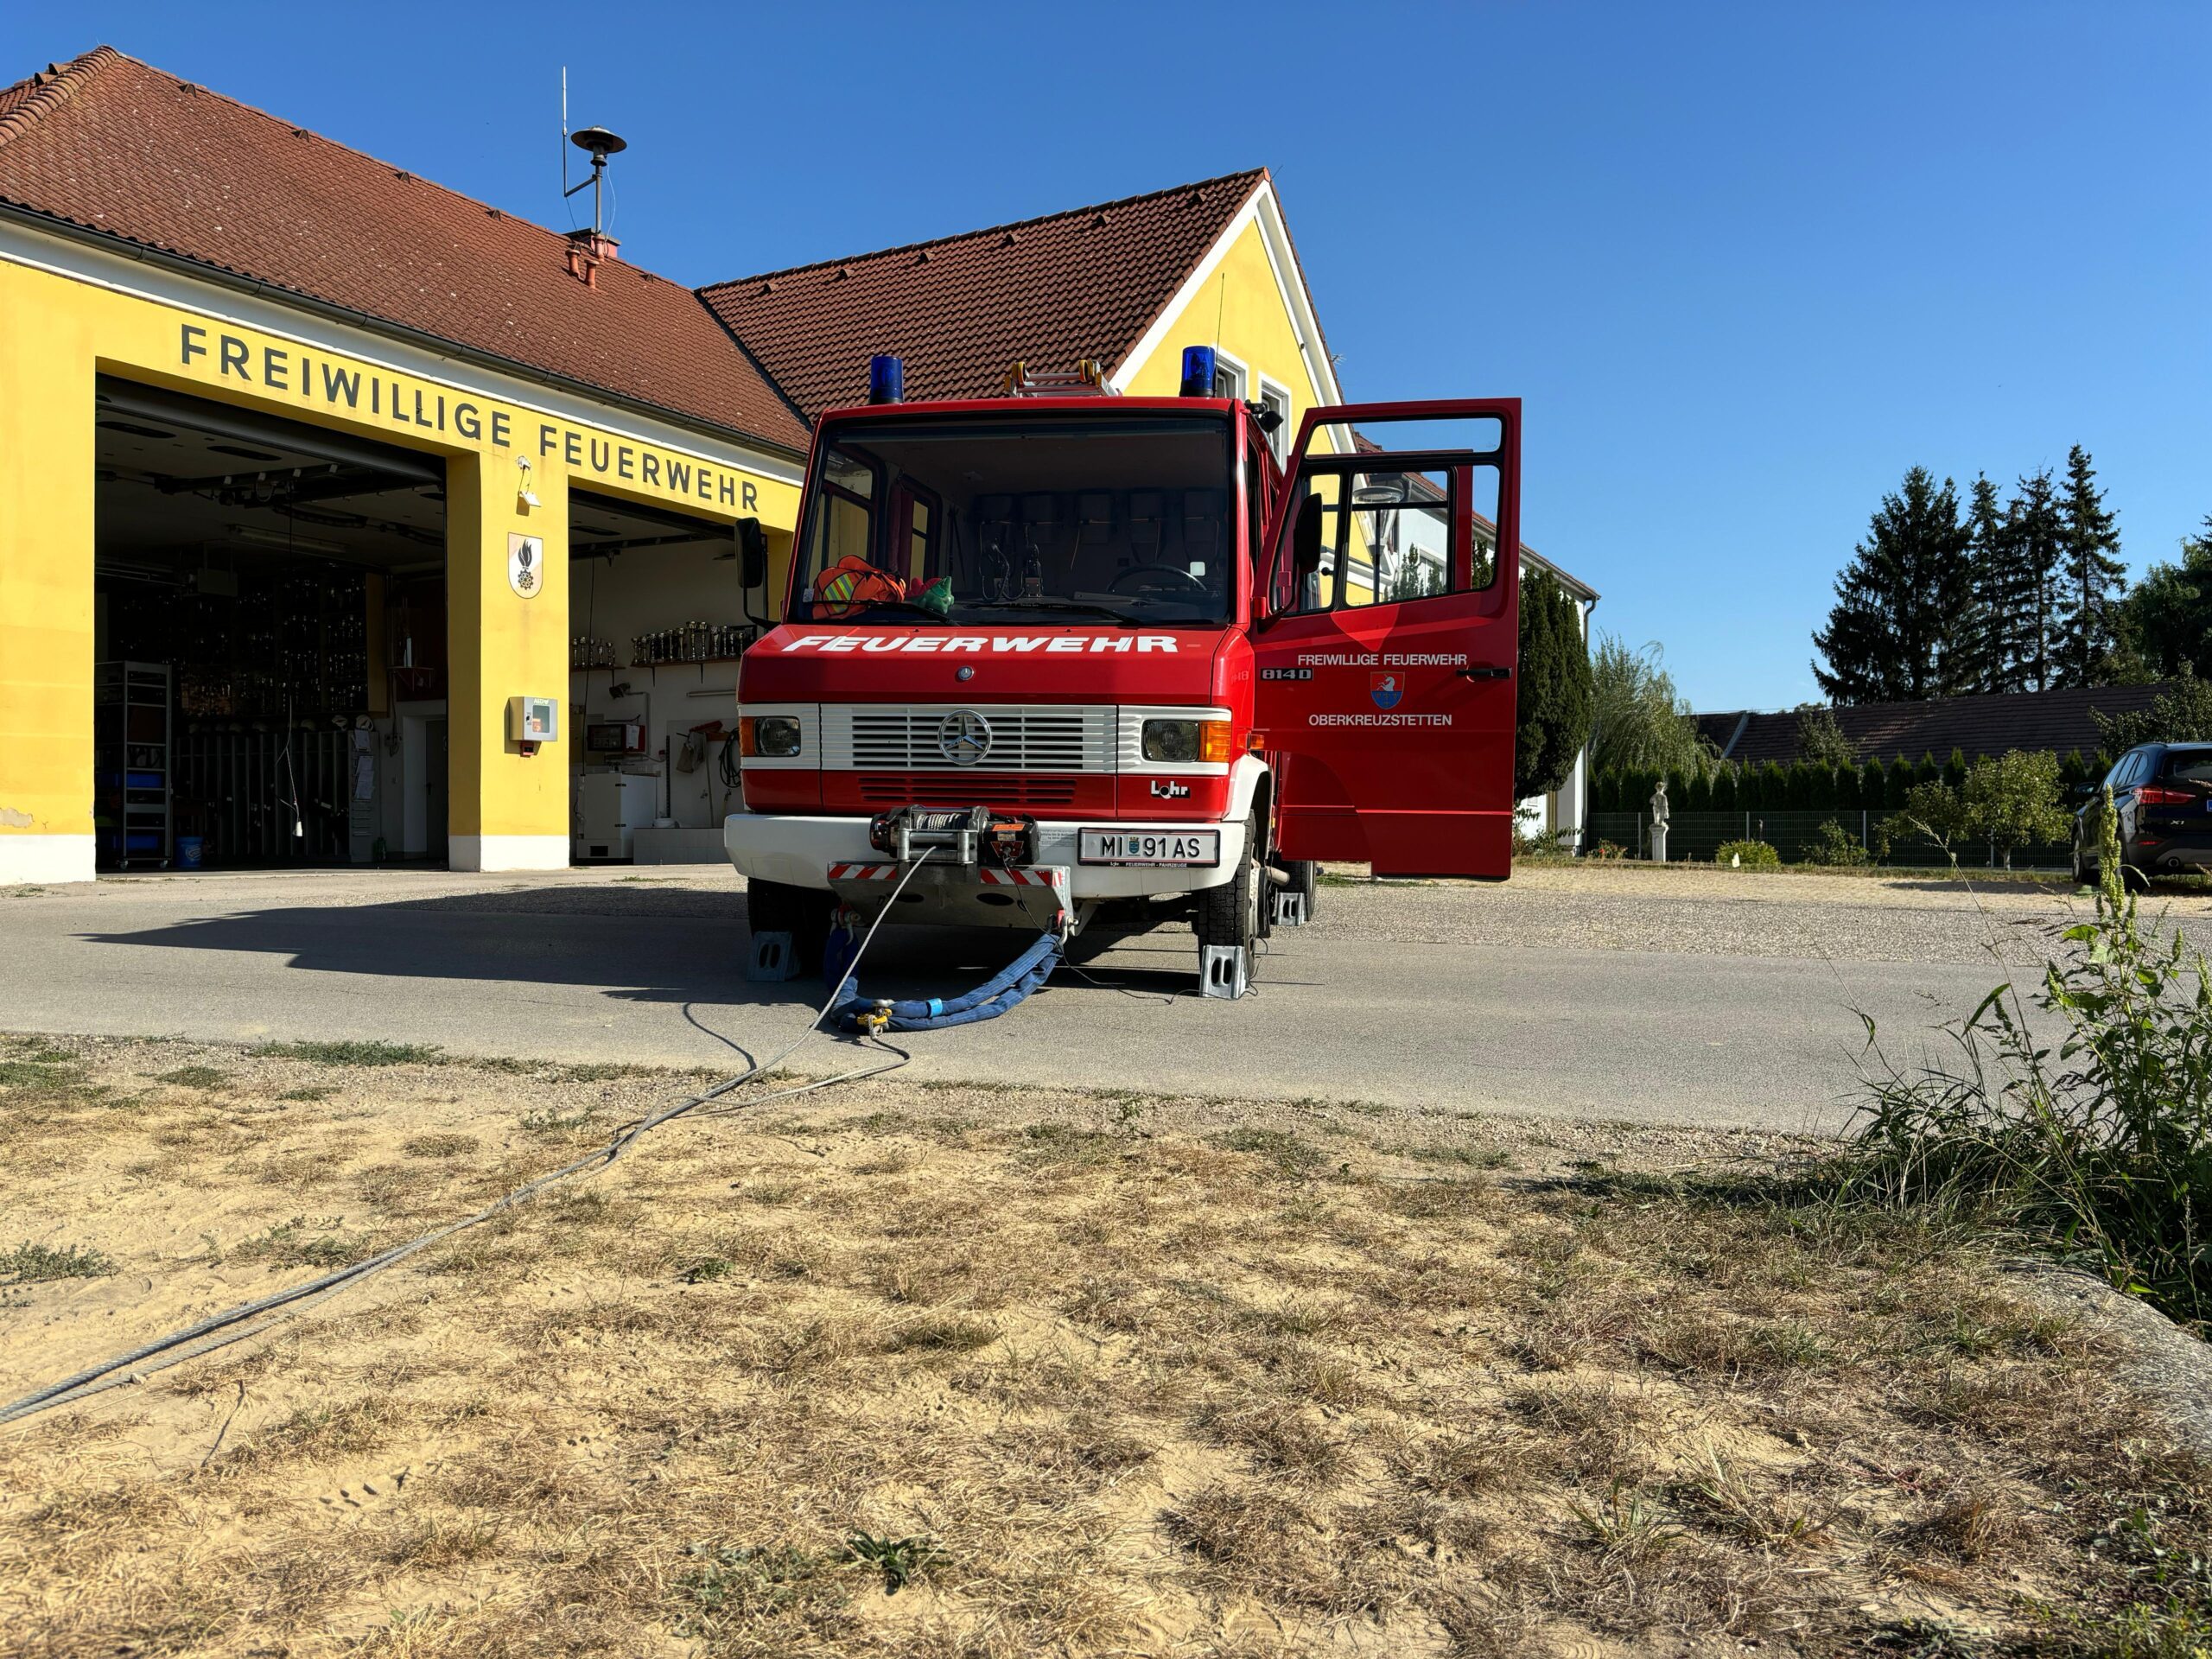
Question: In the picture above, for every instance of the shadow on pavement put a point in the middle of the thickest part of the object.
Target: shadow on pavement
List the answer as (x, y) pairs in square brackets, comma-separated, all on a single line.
[(677, 946)]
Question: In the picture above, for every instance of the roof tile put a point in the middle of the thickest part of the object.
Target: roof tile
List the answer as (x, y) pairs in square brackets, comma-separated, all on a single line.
[(2058, 721), (112, 145), (961, 309)]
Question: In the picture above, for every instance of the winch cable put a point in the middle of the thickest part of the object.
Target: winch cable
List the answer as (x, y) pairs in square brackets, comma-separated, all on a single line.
[(246, 1320)]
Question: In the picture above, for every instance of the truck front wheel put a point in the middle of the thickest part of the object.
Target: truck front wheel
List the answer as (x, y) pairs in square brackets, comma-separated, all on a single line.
[(1229, 915)]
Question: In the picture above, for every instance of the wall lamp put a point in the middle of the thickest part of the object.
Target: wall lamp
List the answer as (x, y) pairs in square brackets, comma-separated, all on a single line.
[(527, 495)]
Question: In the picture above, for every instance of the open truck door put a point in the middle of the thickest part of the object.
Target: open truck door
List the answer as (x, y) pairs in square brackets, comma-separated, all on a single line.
[(1386, 638)]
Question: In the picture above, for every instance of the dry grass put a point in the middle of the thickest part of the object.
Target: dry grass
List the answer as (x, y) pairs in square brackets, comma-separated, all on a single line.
[(893, 1380)]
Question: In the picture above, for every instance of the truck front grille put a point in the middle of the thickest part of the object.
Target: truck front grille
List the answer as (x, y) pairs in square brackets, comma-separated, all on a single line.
[(1023, 738), (964, 788)]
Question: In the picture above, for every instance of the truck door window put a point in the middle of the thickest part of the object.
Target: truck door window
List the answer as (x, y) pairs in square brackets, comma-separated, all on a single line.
[(1402, 512), (1385, 537)]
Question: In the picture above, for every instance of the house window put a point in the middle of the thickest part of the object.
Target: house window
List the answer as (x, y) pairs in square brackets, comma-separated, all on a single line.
[(1230, 377), (1277, 398)]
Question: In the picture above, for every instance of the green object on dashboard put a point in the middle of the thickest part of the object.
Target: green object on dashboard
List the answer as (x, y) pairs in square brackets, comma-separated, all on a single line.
[(937, 597)]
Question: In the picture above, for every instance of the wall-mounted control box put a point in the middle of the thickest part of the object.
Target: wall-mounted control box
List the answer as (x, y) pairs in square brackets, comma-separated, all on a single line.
[(533, 721), (614, 739)]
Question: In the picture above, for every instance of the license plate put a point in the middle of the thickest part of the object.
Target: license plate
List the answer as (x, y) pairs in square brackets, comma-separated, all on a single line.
[(1150, 847)]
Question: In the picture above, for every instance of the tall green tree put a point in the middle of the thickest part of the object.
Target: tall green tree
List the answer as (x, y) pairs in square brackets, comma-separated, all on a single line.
[(2034, 531), (1892, 635), (2094, 579), (1990, 635), (1552, 697), (1821, 739), (2167, 617), (1638, 719), (2180, 714)]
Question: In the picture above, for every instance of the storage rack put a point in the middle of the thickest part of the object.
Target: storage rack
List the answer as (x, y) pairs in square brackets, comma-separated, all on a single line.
[(133, 758)]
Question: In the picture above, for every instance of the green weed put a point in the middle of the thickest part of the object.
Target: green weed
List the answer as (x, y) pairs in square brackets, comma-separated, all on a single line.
[(355, 1053), (31, 1264)]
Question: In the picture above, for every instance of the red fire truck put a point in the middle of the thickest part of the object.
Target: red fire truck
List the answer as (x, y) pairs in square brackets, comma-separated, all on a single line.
[(1107, 662)]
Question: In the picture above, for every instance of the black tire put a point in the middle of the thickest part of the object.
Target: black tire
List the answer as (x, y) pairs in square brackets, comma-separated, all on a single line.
[(803, 912), (1304, 875), (2083, 875), (1229, 915)]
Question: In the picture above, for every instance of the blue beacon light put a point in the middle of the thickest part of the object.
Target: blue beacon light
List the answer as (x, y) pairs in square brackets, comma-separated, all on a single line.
[(1198, 371), (887, 379)]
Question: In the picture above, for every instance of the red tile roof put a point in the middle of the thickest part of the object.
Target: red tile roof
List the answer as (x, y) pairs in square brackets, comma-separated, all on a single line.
[(2058, 721), (960, 310), (112, 145)]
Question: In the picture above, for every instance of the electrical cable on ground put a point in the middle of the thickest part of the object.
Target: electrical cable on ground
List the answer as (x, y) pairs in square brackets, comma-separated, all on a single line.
[(238, 1324)]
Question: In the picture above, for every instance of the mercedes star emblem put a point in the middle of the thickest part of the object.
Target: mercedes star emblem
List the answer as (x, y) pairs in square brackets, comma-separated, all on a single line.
[(964, 737)]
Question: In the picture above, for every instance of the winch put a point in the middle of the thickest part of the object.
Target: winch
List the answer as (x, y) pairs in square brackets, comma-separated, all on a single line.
[(972, 835)]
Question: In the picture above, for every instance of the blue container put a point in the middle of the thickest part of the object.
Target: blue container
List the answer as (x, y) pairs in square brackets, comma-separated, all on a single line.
[(187, 852), (1197, 371)]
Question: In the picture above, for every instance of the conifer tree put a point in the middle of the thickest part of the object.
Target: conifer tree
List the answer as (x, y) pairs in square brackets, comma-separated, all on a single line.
[(2035, 530), (1553, 697), (1889, 636), (2095, 580), (1992, 628)]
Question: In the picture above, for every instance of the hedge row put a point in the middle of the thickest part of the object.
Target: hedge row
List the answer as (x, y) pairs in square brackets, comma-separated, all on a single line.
[(1802, 786)]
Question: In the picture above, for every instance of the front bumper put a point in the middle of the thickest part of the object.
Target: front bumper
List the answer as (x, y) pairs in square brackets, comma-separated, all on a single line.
[(798, 850)]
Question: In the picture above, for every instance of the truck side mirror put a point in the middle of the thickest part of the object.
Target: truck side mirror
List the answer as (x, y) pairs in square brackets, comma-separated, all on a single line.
[(751, 552)]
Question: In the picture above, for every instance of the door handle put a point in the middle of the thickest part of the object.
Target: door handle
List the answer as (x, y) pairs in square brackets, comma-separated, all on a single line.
[(1484, 671)]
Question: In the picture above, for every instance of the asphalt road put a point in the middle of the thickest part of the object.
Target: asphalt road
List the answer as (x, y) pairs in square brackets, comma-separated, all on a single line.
[(1573, 1001)]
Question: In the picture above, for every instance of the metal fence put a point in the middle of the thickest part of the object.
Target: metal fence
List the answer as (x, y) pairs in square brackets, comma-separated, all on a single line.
[(1693, 837)]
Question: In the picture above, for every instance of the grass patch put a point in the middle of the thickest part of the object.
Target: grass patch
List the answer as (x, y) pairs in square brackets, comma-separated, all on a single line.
[(355, 1053), (2098, 1147), (30, 1264), (1077, 1390), (1288, 1155), (303, 1241), (195, 1077)]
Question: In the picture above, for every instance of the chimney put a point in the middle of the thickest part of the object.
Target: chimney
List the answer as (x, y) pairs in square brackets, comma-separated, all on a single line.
[(588, 251)]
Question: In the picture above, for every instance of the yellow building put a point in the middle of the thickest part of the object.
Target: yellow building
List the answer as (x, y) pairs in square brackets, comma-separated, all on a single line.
[(315, 478)]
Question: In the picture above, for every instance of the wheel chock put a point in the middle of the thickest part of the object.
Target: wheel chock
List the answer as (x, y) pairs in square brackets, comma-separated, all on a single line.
[(1223, 970), (1290, 909), (775, 958)]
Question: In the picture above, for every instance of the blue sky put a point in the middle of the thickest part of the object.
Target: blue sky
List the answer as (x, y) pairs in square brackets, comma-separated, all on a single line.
[(1744, 264)]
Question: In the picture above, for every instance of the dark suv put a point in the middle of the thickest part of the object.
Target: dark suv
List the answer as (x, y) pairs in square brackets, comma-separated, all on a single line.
[(2163, 795)]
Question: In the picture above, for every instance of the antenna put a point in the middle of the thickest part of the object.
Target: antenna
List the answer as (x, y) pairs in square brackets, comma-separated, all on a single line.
[(565, 192), (600, 143)]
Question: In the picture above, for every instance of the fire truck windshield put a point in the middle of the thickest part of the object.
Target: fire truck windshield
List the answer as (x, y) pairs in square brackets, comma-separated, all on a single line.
[(1124, 521)]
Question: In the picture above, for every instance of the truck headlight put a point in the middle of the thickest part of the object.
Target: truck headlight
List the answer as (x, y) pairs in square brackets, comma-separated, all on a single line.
[(1184, 742), (767, 737)]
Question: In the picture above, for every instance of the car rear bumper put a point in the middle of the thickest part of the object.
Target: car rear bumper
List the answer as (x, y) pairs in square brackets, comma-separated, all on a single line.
[(2189, 853), (799, 851)]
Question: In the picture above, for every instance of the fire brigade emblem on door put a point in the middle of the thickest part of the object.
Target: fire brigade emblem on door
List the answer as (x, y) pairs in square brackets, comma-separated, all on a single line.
[(964, 737), (1386, 688)]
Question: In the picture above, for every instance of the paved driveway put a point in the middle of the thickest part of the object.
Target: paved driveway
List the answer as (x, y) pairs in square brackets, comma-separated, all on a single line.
[(1688, 997)]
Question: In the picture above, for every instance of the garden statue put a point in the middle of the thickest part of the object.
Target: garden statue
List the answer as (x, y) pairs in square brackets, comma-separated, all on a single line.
[(1659, 823)]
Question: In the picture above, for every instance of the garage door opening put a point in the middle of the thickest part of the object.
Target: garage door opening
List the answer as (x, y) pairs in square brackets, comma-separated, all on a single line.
[(660, 613), (270, 641)]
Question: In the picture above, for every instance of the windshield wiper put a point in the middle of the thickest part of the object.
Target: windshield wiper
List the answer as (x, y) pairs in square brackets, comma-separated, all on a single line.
[(1048, 603)]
